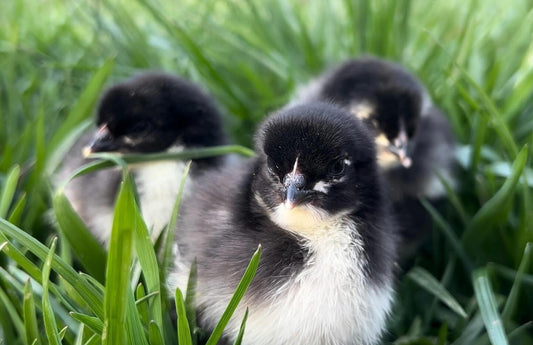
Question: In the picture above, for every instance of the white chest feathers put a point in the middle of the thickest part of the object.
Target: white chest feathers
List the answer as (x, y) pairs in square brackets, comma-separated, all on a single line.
[(158, 186), (329, 302)]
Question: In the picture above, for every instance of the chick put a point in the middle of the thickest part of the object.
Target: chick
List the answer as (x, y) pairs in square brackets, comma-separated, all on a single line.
[(314, 200), (413, 138), (152, 112)]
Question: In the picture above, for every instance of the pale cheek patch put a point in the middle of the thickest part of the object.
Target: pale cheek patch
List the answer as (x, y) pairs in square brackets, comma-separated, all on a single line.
[(322, 187), (386, 159), (382, 141), (362, 110), (128, 140)]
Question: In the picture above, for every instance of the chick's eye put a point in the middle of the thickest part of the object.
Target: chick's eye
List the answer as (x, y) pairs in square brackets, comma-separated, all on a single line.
[(140, 127), (337, 168), (272, 168)]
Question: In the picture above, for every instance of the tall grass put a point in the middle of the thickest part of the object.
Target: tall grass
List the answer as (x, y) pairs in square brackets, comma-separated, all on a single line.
[(471, 284)]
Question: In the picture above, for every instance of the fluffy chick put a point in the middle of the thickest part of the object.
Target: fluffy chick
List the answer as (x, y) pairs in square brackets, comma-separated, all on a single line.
[(313, 199)]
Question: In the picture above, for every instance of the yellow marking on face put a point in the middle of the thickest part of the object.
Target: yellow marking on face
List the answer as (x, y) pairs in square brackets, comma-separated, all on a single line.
[(382, 141), (386, 159), (362, 110)]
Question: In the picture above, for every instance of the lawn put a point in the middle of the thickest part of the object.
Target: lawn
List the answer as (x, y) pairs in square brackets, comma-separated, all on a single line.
[(472, 283)]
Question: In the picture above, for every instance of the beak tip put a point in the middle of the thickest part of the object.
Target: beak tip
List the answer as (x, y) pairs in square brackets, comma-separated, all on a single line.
[(289, 205), (406, 162), (86, 151)]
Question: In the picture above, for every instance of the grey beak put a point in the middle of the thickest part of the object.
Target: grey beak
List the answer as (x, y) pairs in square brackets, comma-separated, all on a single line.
[(102, 141), (399, 148), (294, 194)]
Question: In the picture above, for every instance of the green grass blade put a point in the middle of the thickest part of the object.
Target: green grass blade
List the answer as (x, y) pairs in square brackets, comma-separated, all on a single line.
[(202, 63), (94, 323), (453, 198), (62, 333), (426, 281), (518, 331), (52, 335), (55, 158), (443, 334), (16, 255), (112, 160), (84, 105), (449, 233), (134, 328), (183, 155), (80, 335), (11, 312), (236, 298), (184, 333), (492, 210), (146, 298), (8, 190), (512, 300), (487, 307), (118, 266), (18, 209), (171, 228), (30, 318), (142, 308), (510, 274), (93, 340), (88, 251), (154, 334), (18, 278), (494, 116), (95, 284), (150, 269), (240, 335), (92, 299), (190, 298), (471, 331)]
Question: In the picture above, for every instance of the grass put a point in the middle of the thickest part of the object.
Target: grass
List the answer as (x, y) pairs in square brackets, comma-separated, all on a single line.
[(471, 284)]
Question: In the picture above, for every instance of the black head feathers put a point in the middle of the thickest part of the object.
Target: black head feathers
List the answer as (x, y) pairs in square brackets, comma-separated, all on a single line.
[(320, 155), (154, 111), (383, 92)]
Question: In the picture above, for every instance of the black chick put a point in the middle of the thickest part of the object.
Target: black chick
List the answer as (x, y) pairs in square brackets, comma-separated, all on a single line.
[(413, 138), (152, 112), (313, 199)]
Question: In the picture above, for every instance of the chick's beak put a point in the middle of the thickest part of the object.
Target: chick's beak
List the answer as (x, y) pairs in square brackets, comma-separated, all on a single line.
[(102, 141), (399, 148), (294, 193)]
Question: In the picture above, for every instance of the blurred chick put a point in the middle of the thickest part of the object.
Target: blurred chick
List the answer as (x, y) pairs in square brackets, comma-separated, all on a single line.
[(313, 199), (413, 138), (152, 112)]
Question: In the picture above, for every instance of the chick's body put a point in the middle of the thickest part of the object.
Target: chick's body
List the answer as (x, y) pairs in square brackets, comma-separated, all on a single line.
[(313, 200)]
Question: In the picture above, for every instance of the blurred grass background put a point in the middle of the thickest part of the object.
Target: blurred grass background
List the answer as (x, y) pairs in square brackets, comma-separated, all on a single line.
[(471, 285)]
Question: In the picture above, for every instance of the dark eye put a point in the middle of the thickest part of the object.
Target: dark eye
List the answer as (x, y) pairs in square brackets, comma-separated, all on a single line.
[(411, 129), (141, 126), (272, 167), (337, 168)]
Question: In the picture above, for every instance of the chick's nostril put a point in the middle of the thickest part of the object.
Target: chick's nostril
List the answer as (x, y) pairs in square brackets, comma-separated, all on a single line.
[(294, 180)]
